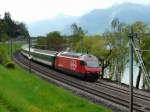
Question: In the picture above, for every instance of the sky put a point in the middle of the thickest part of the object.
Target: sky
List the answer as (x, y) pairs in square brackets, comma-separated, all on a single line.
[(33, 10)]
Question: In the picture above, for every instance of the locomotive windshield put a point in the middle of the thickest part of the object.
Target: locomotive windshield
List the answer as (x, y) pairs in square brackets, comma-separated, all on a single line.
[(92, 64)]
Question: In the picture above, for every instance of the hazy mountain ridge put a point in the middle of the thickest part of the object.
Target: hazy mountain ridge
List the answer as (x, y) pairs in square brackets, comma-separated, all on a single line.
[(56, 24), (96, 21), (101, 19)]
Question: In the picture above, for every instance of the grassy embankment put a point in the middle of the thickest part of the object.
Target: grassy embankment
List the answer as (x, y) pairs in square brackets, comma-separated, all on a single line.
[(24, 92)]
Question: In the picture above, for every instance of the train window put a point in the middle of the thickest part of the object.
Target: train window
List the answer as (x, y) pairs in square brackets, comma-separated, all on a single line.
[(82, 63), (92, 64)]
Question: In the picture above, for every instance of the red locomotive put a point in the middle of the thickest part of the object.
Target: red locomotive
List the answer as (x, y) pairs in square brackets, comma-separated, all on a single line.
[(83, 65)]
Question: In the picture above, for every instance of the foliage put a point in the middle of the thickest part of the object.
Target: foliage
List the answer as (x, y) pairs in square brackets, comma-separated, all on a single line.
[(95, 45), (117, 44), (77, 34), (41, 42), (22, 30), (10, 28), (54, 41), (28, 93), (145, 42), (5, 54), (114, 24), (140, 27), (1, 57), (10, 64), (77, 30)]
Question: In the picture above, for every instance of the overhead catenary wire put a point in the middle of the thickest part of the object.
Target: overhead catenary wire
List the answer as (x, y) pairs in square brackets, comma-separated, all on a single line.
[(139, 56)]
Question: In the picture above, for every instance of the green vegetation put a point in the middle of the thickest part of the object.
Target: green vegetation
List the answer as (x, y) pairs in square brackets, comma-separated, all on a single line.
[(10, 28), (53, 41), (24, 92), (5, 54)]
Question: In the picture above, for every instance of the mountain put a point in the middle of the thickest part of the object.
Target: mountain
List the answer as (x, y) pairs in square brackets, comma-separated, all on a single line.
[(45, 26), (96, 21), (99, 20)]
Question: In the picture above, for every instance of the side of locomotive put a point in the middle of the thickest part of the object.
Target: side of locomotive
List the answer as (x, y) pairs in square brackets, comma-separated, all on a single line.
[(82, 65)]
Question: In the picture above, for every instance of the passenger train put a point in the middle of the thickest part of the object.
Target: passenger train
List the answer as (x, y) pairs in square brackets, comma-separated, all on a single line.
[(85, 66)]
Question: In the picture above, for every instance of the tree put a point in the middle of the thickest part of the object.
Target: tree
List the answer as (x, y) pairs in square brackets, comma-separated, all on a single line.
[(11, 27), (41, 42), (143, 42), (3, 29), (114, 24), (22, 30), (77, 30), (54, 41), (145, 51), (78, 34), (140, 27), (118, 41)]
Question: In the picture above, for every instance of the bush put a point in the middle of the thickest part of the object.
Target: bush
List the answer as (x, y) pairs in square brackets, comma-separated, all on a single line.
[(10, 64), (1, 56)]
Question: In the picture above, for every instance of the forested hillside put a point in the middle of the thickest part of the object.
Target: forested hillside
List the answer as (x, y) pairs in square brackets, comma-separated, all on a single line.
[(11, 29)]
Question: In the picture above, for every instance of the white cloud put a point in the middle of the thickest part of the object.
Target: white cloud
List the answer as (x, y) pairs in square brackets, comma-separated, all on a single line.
[(32, 10)]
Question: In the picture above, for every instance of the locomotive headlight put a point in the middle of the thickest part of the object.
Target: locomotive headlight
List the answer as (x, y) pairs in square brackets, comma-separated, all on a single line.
[(88, 72)]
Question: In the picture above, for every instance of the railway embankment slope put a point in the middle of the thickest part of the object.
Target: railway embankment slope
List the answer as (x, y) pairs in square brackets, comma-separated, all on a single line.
[(21, 91)]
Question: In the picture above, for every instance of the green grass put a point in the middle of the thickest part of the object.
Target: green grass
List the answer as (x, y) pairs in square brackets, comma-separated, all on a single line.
[(5, 51), (24, 92), (3, 108)]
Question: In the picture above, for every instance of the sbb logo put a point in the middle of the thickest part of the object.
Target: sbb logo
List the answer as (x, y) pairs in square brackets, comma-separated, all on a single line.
[(73, 64)]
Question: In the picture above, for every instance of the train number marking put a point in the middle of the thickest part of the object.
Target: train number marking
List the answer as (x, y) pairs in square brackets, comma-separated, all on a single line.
[(73, 64)]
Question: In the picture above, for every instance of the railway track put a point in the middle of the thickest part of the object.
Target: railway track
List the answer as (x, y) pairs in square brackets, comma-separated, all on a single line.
[(116, 96), (125, 90)]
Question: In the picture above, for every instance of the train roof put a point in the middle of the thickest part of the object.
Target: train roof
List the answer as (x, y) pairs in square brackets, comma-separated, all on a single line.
[(45, 51), (81, 56), (76, 55), (40, 51), (71, 54)]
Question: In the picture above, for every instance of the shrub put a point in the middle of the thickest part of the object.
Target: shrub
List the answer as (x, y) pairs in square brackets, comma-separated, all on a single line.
[(1, 59), (1, 56), (10, 64)]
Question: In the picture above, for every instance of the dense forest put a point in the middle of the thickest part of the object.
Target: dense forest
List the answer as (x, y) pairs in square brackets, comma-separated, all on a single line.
[(112, 47), (10, 29)]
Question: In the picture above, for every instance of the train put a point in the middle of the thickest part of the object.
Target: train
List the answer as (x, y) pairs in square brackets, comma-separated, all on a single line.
[(83, 65)]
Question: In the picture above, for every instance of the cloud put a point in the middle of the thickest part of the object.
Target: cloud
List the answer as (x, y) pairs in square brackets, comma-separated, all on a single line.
[(33, 10)]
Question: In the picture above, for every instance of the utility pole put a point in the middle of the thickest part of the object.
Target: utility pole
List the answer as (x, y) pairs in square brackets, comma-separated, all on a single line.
[(29, 54), (131, 35), (81, 45), (11, 47), (8, 46)]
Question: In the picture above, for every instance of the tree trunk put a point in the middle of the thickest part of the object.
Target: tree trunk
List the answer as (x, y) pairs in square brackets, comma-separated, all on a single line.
[(103, 66), (102, 73), (116, 71), (138, 78)]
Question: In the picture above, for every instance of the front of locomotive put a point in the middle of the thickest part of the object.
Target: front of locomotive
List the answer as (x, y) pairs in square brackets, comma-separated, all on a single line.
[(92, 68)]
